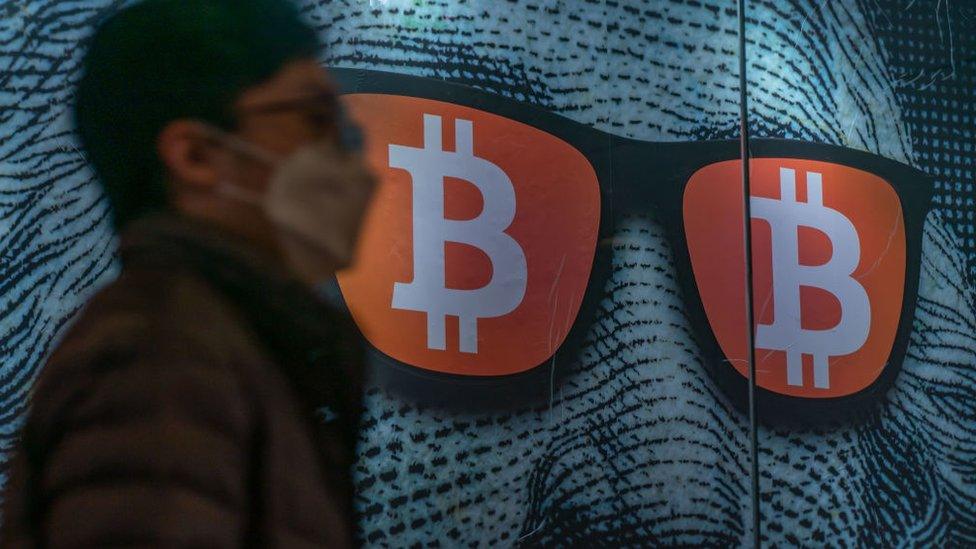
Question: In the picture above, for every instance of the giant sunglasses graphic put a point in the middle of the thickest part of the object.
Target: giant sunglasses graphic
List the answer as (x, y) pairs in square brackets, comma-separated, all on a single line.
[(487, 251)]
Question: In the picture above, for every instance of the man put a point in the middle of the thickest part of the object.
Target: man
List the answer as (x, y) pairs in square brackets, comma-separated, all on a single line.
[(205, 398)]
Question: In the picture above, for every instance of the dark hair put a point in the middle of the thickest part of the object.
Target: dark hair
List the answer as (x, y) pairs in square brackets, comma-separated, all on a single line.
[(160, 60)]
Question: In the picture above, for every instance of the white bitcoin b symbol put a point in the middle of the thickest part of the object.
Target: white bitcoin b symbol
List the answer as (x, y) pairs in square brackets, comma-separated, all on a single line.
[(785, 216), (428, 166)]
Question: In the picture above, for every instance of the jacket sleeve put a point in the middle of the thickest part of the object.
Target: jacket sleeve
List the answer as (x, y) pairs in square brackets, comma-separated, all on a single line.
[(141, 451)]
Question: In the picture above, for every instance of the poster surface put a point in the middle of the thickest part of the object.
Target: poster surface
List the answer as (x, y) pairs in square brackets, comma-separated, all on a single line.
[(636, 436)]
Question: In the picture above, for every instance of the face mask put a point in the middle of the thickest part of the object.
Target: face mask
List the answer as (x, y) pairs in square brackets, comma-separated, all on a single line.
[(316, 198)]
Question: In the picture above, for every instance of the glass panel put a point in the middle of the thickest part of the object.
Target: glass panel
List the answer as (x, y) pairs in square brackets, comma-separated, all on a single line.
[(633, 442), (616, 428), (866, 350)]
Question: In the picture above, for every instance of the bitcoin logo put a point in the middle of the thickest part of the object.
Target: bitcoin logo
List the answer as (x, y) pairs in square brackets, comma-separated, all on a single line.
[(428, 292), (475, 258), (785, 217)]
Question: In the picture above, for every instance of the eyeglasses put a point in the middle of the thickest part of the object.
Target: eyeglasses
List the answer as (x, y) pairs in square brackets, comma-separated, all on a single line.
[(323, 110), (321, 99), (836, 248)]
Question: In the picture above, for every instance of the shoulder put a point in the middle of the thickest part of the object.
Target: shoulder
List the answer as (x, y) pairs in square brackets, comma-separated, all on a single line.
[(150, 341), (173, 314)]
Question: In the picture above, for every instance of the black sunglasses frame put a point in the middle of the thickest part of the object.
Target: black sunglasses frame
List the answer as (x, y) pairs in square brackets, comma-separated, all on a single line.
[(649, 179)]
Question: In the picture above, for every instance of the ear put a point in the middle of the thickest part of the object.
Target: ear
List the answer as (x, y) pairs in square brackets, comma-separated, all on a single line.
[(190, 155)]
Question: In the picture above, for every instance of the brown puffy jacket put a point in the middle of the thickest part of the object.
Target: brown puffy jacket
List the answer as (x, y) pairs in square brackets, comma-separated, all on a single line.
[(203, 399)]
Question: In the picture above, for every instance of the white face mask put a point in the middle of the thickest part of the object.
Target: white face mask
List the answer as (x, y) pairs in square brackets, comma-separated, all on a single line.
[(316, 198)]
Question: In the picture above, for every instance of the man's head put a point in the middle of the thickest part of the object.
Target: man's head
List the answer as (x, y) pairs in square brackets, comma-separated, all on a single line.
[(164, 80)]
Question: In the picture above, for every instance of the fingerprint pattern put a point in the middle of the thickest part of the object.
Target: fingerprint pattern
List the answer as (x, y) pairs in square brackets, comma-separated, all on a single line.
[(56, 244), (930, 54), (637, 446)]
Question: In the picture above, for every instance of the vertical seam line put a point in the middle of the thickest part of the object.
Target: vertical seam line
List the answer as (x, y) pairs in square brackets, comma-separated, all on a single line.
[(744, 157)]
